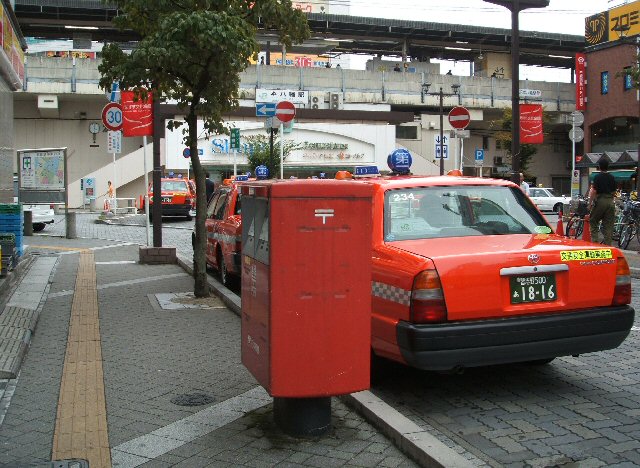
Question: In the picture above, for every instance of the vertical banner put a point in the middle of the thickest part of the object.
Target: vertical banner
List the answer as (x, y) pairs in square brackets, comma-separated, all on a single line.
[(531, 131), (137, 115), (581, 78)]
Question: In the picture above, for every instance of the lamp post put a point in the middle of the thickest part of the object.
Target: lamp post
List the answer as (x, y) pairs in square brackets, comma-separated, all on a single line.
[(516, 6), (425, 92)]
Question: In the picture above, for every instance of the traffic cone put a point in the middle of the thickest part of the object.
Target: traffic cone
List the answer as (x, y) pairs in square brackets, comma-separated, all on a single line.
[(560, 227), (586, 229)]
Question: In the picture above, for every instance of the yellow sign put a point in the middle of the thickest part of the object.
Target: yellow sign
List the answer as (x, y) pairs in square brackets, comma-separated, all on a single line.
[(600, 254), (613, 24)]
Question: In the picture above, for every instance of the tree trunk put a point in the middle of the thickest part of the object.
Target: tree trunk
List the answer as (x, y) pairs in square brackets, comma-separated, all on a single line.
[(201, 288)]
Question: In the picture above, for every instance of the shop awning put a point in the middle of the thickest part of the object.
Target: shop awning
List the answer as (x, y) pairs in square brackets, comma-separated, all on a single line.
[(620, 175)]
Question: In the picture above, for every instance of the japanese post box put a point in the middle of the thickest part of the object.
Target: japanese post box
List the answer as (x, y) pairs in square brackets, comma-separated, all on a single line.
[(306, 286)]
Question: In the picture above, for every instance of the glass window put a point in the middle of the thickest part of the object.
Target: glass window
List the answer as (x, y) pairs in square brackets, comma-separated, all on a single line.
[(628, 79), (407, 132), (434, 212), (212, 204), (174, 186), (218, 211)]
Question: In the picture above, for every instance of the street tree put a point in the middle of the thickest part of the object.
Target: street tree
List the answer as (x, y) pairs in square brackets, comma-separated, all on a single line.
[(192, 52), (260, 154)]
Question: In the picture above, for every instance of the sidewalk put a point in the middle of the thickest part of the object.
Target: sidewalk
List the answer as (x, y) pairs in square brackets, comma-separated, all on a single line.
[(126, 369)]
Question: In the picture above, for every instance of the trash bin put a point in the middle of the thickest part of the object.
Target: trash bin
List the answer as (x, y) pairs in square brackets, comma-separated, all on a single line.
[(92, 204)]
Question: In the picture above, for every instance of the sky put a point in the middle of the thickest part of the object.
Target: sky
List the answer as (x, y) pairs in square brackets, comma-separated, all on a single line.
[(561, 16)]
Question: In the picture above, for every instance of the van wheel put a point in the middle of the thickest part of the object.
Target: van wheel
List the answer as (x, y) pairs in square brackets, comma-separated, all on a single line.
[(37, 227)]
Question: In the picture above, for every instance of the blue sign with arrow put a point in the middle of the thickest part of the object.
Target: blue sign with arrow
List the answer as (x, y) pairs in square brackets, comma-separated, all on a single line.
[(266, 109)]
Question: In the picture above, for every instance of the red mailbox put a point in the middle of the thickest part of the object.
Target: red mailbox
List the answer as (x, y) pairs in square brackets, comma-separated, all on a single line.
[(306, 286)]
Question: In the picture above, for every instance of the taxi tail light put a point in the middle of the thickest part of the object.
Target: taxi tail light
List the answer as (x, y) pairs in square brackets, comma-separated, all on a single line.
[(427, 299), (622, 290)]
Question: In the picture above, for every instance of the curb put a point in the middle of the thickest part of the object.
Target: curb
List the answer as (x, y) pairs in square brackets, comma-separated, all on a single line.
[(412, 440)]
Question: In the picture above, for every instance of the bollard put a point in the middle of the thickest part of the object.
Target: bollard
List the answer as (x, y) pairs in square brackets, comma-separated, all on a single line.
[(586, 229), (28, 223), (70, 220)]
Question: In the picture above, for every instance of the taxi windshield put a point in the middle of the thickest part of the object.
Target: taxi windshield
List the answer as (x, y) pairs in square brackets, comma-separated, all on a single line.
[(460, 211)]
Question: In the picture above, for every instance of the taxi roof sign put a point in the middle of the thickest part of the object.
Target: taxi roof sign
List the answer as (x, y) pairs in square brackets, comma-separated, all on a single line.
[(241, 178), (366, 171)]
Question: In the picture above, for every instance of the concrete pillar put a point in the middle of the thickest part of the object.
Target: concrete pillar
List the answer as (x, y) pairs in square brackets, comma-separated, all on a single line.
[(28, 223), (70, 220)]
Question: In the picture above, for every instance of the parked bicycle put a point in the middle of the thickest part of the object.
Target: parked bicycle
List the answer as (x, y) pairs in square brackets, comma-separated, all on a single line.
[(630, 223), (578, 209)]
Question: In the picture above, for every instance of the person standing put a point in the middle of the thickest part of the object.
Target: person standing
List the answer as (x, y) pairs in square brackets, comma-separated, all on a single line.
[(523, 185), (601, 200), (111, 194), (210, 187)]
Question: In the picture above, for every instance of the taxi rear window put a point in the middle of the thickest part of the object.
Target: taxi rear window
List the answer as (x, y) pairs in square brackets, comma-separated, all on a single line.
[(173, 186), (460, 211)]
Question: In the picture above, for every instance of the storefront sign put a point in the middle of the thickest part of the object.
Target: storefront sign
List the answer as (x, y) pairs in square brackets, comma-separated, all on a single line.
[(581, 80), (611, 25), (531, 124), (278, 95)]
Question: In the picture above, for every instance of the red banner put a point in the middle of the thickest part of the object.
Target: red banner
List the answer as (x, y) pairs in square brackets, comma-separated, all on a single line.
[(531, 124), (137, 116), (581, 79)]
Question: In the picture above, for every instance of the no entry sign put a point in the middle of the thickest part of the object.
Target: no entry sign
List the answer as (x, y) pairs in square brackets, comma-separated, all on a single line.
[(285, 111), (459, 117)]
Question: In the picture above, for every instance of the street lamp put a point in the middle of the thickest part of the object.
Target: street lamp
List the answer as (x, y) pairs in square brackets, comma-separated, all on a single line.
[(516, 6), (425, 92)]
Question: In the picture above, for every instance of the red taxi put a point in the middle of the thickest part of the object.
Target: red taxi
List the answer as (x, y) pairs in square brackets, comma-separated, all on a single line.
[(178, 197), (224, 231), (467, 272)]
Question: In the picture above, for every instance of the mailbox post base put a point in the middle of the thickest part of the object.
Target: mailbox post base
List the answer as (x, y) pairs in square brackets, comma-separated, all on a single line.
[(303, 417)]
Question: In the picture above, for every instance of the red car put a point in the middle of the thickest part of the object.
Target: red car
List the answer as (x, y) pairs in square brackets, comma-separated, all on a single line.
[(178, 197), (224, 232)]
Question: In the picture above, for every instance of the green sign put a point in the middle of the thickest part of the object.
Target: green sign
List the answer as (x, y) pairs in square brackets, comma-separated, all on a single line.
[(235, 138)]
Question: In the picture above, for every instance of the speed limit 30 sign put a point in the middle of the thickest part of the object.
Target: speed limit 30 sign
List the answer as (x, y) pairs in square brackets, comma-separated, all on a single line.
[(112, 116)]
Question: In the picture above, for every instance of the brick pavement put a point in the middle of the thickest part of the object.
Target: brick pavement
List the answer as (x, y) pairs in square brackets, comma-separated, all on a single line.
[(150, 356)]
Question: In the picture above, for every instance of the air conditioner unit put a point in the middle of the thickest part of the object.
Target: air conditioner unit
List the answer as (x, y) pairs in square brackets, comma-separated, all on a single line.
[(497, 161), (335, 101), (316, 99), (48, 106)]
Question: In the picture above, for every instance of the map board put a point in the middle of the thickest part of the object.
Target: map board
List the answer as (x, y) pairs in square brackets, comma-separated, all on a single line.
[(42, 175)]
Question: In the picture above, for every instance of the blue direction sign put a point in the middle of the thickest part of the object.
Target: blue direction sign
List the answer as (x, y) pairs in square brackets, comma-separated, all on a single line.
[(266, 109)]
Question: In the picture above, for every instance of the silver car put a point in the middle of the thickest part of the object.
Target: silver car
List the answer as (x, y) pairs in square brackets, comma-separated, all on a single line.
[(41, 214)]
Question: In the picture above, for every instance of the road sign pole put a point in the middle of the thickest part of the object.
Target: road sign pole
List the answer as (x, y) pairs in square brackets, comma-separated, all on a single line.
[(281, 150), (235, 165), (146, 190)]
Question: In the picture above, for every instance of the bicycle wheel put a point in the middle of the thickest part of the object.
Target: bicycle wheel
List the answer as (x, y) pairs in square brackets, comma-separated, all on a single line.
[(626, 235)]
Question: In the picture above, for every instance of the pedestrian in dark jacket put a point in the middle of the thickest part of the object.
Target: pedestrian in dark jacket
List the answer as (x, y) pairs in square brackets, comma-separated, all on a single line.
[(210, 187), (601, 199)]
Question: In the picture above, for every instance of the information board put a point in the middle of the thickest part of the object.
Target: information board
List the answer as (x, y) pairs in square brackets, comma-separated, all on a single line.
[(42, 175)]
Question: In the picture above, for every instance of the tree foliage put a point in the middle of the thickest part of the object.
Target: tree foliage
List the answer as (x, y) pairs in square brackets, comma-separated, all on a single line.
[(503, 137), (192, 52), (261, 152)]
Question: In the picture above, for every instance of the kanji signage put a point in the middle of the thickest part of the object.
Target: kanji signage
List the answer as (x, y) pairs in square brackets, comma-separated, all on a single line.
[(531, 128), (581, 81), (137, 115)]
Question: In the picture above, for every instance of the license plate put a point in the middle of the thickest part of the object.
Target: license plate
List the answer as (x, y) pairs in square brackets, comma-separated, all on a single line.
[(533, 288), (166, 199)]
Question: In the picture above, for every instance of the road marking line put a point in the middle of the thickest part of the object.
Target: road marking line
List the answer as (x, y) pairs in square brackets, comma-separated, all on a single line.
[(145, 448), (117, 262), (81, 420), (120, 283)]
